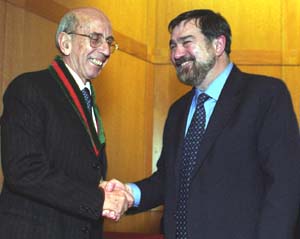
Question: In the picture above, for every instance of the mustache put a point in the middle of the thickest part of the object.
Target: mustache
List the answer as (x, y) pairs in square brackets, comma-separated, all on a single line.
[(183, 59)]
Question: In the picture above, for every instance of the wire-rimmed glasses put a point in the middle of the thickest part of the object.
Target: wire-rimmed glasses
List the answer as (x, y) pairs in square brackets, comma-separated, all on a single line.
[(97, 39)]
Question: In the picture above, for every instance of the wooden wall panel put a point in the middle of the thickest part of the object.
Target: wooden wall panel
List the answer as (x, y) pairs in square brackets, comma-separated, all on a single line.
[(13, 49), (121, 98), (47, 8), (124, 95), (270, 70), (2, 43), (29, 42), (128, 17), (291, 32), (167, 89), (250, 23)]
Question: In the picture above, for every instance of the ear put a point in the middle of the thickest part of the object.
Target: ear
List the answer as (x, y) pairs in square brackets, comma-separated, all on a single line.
[(65, 43), (219, 44)]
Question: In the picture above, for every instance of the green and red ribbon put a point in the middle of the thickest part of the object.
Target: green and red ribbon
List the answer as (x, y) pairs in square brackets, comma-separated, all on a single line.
[(70, 88)]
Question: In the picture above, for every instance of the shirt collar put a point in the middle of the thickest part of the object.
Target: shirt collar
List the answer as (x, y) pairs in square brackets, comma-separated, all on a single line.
[(215, 88), (78, 81)]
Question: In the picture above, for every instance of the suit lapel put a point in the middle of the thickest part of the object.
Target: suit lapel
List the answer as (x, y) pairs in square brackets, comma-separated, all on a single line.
[(70, 89), (223, 111)]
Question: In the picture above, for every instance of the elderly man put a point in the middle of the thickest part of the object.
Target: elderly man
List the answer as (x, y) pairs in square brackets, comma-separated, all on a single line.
[(53, 145)]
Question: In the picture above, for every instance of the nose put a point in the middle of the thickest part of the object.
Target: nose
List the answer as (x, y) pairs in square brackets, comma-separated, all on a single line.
[(178, 51), (104, 48)]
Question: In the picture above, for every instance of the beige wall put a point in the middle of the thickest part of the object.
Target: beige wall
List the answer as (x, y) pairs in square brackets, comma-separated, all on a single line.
[(138, 85)]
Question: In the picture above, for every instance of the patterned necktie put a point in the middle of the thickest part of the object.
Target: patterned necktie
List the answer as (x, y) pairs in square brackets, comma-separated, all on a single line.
[(189, 155), (88, 98)]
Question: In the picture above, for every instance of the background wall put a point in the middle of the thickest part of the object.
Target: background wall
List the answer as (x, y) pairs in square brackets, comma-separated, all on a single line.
[(136, 88)]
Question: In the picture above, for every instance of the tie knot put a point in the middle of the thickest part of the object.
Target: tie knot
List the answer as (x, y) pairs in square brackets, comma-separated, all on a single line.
[(202, 98), (87, 97)]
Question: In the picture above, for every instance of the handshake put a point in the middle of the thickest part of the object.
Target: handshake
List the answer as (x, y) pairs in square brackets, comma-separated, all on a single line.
[(117, 199)]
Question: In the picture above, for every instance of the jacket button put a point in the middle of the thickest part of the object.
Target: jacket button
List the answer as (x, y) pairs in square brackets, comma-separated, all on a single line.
[(96, 165), (85, 229)]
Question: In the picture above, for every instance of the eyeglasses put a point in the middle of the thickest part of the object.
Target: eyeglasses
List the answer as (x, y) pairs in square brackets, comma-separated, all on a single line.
[(97, 39)]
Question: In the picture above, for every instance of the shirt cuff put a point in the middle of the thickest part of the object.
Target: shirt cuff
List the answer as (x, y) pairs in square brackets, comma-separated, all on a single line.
[(136, 193)]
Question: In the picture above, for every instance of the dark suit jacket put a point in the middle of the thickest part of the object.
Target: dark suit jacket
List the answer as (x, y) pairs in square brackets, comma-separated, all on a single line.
[(247, 179), (51, 173)]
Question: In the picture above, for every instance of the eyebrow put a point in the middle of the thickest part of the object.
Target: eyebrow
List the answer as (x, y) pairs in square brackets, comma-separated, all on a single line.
[(110, 38), (101, 34), (180, 39), (98, 33)]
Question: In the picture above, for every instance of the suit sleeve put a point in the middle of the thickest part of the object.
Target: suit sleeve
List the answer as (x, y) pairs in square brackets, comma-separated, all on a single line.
[(26, 165), (278, 147)]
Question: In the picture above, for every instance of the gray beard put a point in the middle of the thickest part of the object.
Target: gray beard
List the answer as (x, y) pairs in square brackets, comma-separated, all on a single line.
[(196, 75)]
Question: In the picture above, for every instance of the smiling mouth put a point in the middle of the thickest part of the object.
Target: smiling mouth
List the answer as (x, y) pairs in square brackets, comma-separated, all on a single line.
[(184, 61), (185, 64), (96, 62)]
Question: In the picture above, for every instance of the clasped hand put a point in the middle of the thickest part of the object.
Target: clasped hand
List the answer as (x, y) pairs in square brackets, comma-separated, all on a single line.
[(118, 198)]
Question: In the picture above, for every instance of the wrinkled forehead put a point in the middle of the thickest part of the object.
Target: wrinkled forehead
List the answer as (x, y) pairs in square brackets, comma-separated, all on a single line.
[(187, 27), (93, 22)]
